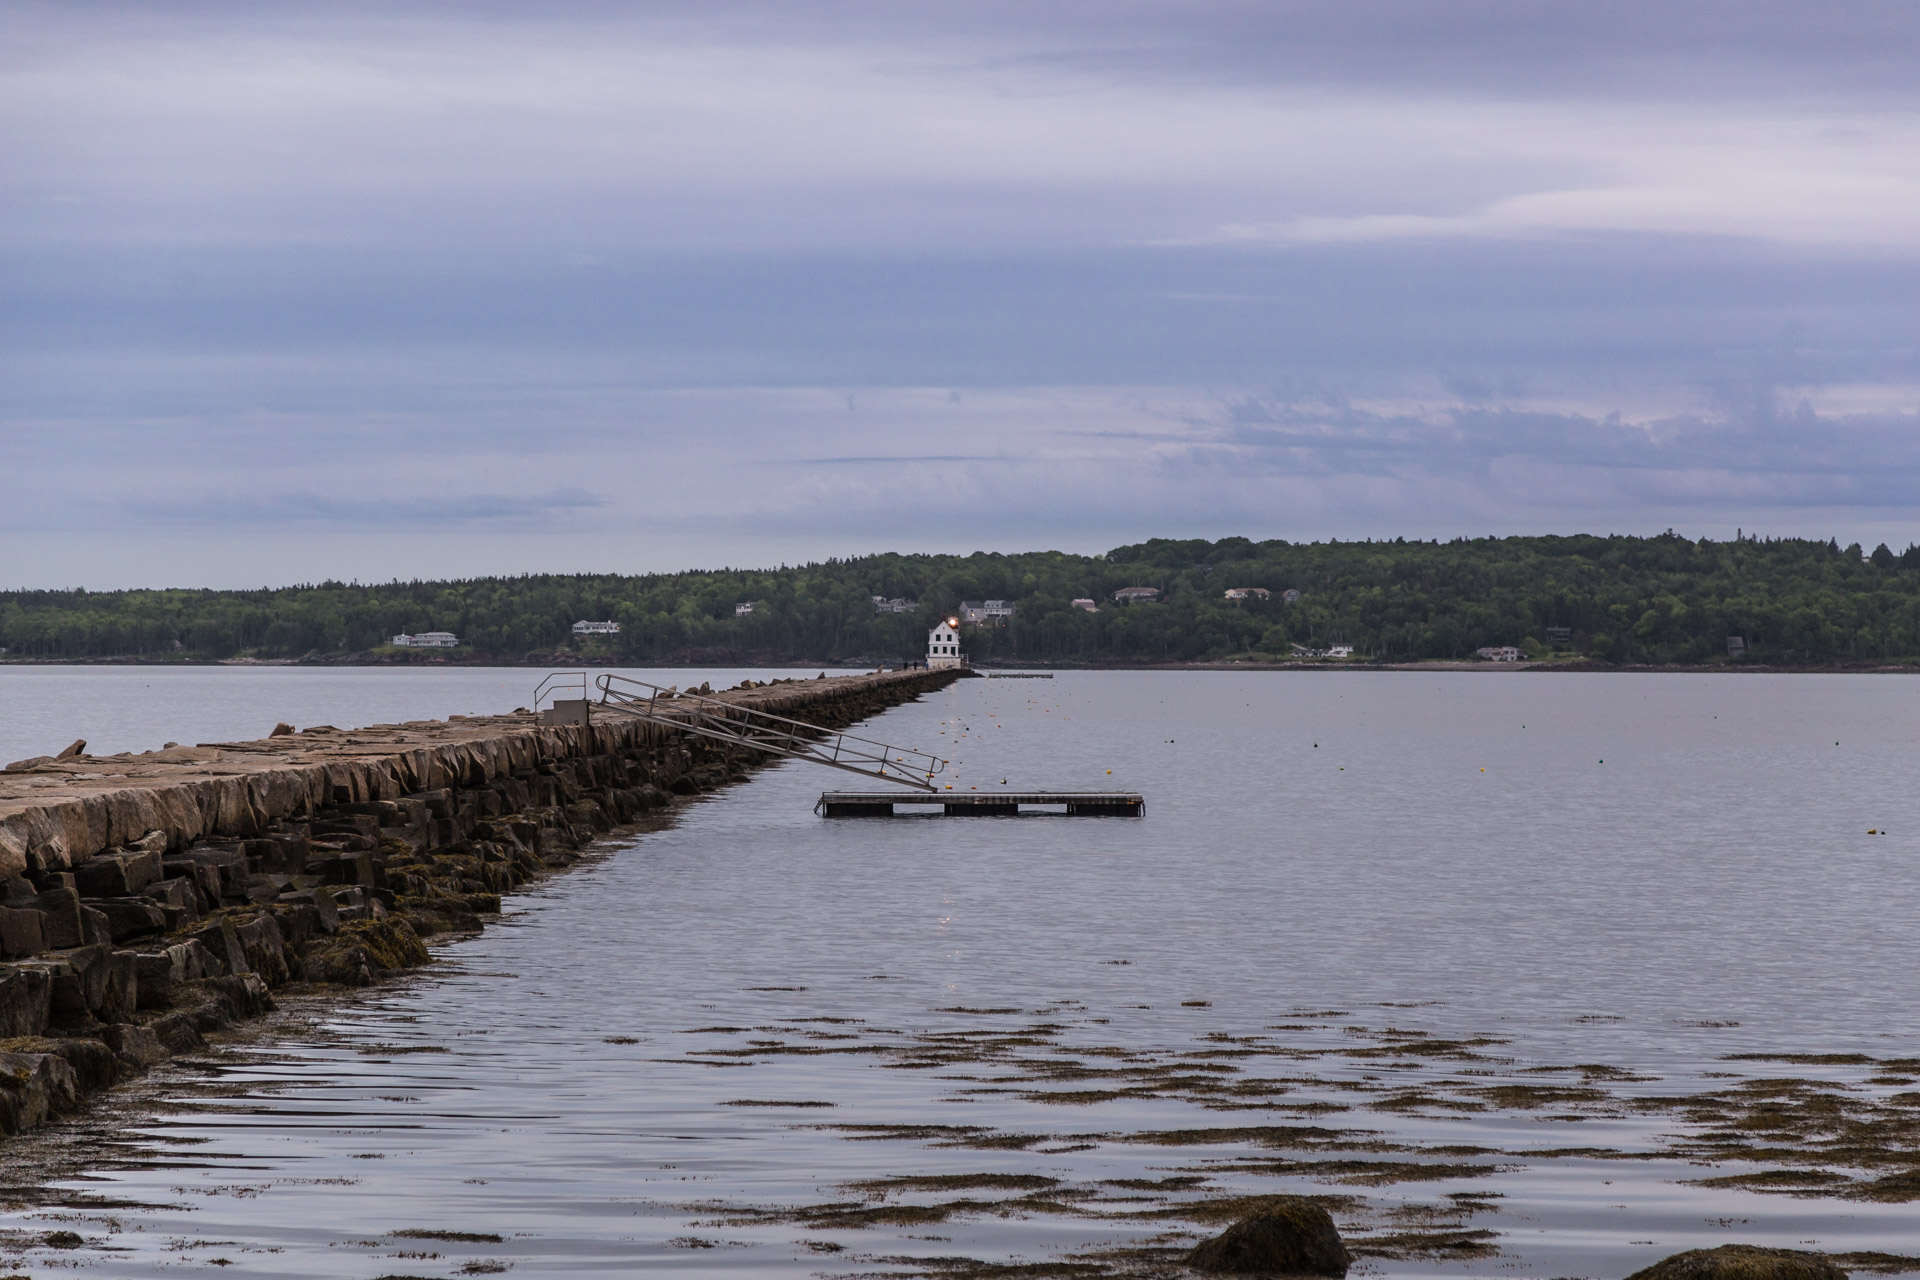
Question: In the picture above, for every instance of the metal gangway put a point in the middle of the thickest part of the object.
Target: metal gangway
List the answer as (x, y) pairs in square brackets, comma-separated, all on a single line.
[(749, 727)]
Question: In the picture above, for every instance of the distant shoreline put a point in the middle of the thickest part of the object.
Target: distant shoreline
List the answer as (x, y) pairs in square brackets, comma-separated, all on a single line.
[(551, 662)]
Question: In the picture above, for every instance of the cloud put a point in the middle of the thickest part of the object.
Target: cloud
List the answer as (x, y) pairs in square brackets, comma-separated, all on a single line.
[(675, 283), (306, 510)]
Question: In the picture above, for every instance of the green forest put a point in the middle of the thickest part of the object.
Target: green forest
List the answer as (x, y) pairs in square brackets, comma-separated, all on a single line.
[(1613, 600)]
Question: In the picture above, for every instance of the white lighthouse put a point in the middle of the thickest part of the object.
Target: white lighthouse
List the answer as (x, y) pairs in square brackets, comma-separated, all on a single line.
[(943, 644)]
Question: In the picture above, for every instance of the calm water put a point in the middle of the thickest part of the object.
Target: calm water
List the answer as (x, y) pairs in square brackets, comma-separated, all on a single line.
[(1643, 871), (42, 709)]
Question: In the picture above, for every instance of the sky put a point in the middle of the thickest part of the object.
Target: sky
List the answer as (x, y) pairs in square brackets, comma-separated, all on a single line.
[(291, 292)]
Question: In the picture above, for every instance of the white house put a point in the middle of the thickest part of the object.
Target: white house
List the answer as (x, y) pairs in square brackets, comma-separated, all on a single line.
[(585, 628), (1131, 595), (1499, 653), (898, 604), (427, 640), (742, 609), (1248, 593), (1086, 603), (985, 611), (943, 644)]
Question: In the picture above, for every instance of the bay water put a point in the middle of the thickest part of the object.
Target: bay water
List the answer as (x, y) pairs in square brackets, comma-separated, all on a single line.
[(751, 1041)]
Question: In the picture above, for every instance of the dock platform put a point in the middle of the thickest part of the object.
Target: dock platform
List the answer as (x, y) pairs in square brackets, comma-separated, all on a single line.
[(981, 804)]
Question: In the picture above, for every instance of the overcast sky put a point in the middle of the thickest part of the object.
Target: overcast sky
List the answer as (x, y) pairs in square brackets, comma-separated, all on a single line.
[(290, 292)]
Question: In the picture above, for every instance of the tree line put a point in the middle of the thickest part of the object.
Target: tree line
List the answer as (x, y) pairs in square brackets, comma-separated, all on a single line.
[(1663, 599)]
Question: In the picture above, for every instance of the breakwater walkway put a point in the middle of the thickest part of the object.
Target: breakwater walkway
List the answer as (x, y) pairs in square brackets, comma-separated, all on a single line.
[(150, 899)]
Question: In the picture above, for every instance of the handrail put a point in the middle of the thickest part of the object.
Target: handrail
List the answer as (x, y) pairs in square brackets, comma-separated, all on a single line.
[(561, 680), (764, 731)]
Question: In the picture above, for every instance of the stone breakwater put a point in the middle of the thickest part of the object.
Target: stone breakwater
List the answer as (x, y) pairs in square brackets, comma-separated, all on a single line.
[(148, 900)]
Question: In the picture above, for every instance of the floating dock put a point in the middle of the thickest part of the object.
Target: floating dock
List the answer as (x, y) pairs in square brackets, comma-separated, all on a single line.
[(981, 804)]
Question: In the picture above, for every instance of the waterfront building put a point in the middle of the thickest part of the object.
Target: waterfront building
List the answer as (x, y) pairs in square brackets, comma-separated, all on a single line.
[(427, 640), (985, 611), (943, 645), (1498, 653), (585, 628), (1137, 595)]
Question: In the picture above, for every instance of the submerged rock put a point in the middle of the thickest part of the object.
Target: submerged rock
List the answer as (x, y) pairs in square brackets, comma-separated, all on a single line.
[(1743, 1262), (1292, 1236)]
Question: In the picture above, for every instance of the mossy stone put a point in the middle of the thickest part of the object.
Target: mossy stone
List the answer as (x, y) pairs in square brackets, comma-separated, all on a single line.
[(1743, 1262), (1290, 1237)]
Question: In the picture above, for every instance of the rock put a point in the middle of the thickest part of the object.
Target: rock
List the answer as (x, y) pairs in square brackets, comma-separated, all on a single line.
[(154, 842), (278, 852), (365, 949), (80, 983), (26, 996), (136, 1046), (1743, 1262), (246, 993), (223, 946), (192, 961), (299, 924), (229, 861), (588, 814), (343, 868), (120, 874), (162, 972), (1292, 1236), (95, 927), (155, 971), (176, 1034), (260, 890), (281, 730), (266, 950), (61, 924), (33, 1086), (213, 1004), (29, 764), (94, 1065), (179, 898), (21, 933), (75, 748), (123, 988), (326, 908), (131, 917)]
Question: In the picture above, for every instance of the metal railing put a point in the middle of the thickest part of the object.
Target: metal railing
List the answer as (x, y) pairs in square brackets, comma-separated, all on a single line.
[(757, 730), (559, 682)]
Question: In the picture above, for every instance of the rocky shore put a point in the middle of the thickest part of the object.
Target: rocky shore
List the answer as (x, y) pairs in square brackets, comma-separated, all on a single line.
[(150, 900)]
